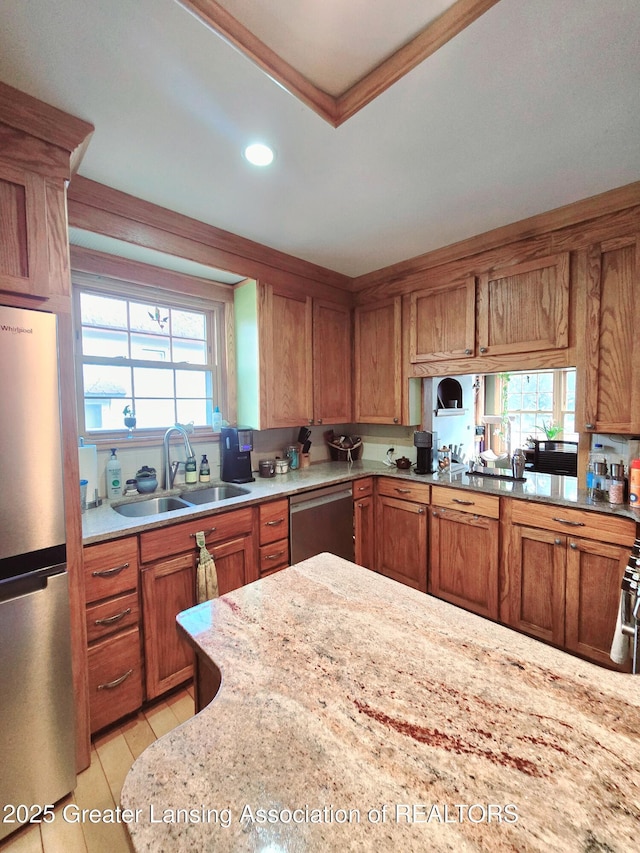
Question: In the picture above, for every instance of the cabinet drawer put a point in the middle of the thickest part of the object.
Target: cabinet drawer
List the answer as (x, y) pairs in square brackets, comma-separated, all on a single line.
[(404, 490), (590, 525), (274, 521), (463, 501), (110, 568), (115, 678), (112, 615), (362, 488), (274, 555), (180, 538)]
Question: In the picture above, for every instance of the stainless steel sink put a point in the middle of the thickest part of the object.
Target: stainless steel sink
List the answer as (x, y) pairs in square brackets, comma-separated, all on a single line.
[(151, 506), (213, 494)]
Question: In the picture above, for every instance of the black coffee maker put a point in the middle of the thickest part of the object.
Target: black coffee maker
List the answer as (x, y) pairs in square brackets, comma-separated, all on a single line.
[(236, 444), (424, 442)]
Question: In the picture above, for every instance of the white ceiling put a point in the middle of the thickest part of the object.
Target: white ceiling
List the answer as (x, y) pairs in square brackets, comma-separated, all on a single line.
[(535, 105)]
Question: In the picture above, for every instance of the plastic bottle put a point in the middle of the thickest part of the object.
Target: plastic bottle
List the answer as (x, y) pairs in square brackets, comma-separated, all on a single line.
[(114, 476), (205, 470), (217, 419), (191, 470), (634, 484)]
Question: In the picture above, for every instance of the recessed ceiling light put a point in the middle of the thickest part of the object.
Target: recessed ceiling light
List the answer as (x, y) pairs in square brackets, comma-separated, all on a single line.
[(259, 154)]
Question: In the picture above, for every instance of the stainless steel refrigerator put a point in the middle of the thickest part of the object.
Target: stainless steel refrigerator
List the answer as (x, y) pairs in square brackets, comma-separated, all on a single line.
[(37, 741)]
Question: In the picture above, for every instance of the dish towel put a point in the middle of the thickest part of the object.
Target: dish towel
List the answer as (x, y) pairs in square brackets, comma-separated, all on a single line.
[(206, 577), (620, 647)]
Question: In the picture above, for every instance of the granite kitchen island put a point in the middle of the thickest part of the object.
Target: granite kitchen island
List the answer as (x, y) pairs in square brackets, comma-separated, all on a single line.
[(355, 713)]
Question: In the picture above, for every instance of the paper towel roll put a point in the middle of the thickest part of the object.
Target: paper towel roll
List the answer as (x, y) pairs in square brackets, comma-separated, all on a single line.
[(620, 647), (88, 459)]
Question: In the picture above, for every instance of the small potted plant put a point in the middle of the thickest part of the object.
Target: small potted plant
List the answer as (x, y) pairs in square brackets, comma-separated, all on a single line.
[(129, 419), (550, 429)]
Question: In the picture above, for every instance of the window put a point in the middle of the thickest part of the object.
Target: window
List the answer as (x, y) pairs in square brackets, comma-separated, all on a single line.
[(540, 400), (161, 357)]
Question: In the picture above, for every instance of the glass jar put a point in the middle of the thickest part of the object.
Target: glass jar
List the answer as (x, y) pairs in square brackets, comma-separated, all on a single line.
[(294, 459)]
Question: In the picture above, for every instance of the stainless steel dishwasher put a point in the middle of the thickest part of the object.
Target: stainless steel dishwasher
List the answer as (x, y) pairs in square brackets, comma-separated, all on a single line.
[(322, 520)]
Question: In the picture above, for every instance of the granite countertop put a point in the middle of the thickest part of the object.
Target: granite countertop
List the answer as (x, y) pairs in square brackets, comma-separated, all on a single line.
[(391, 721), (103, 523)]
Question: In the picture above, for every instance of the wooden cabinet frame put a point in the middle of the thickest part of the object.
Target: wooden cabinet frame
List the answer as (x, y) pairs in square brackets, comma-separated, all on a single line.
[(451, 309), (24, 264)]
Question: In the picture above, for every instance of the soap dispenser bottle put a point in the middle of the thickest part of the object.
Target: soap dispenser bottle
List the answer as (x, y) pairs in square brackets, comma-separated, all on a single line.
[(205, 470), (191, 471), (114, 476)]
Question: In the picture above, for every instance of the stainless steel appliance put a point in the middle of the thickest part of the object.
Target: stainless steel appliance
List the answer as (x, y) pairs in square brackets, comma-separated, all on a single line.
[(424, 442), (236, 444), (630, 606), (322, 520), (37, 737)]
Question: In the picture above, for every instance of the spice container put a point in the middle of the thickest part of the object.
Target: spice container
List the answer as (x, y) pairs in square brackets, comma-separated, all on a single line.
[(617, 484), (267, 468), (634, 484), (282, 465)]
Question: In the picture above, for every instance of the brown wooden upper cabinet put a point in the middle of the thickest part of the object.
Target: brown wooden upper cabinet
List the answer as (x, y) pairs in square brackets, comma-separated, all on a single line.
[(609, 395), (524, 308), (294, 357), (331, 362), (378, 362), (442, 322), (23, 248)]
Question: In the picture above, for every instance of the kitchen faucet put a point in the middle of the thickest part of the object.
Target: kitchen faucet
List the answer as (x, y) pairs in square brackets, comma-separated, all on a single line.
[(171, 468)]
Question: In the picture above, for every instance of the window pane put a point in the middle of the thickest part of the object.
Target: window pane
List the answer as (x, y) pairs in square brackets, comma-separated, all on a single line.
[(191, 383), (191, 352), (106, 343), (106, 380), (188, 324), (545, 382), (103, 311), (192, 410), (104, 413), (151, 382), (149, 318), (150, 347), (155, 413)]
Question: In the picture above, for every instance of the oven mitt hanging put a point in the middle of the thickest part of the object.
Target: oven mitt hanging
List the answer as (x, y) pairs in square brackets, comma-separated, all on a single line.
[(206, 577)]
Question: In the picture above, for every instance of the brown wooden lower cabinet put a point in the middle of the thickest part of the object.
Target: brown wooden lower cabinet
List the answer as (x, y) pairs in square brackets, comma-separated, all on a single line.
[(364, 523), (463, 567), (168, 587), (401, 541), (565, 589), (537, 579), (115, 678)]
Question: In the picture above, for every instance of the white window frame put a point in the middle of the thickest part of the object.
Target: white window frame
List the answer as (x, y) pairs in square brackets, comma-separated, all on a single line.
[(141, 291)]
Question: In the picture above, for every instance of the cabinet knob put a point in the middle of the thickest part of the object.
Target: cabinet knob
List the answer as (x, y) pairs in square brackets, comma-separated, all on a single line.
[(420, 512), (310, 421), (395, 420), (589, 426), (435, 514), (467, 351), (557, 541), (360, 506), (573, 545), (483, 349), (319, 420)]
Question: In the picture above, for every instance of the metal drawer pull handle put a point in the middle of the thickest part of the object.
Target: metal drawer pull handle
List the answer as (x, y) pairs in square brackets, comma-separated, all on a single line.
[(464, 503), (568, 522), (402, 491), (273, 523), (109, 620), (111, 684), (274, 556), (362, 488), (206, 532), (107, 573)]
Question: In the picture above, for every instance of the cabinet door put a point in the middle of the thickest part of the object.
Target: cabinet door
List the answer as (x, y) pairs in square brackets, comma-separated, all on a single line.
[(23, 234), (236, 562), (286, 367), (363, 529), (537, 583), (442, 323), (378, 362), (401, 540), (167, 588), (594, 573), (331, 363), (463, 566), (524, 308), (610, 398)]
